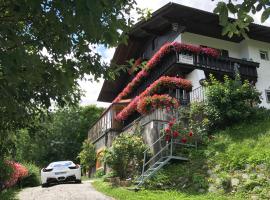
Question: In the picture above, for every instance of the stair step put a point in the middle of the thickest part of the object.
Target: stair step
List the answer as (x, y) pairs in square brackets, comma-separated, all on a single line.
[(159, 163)]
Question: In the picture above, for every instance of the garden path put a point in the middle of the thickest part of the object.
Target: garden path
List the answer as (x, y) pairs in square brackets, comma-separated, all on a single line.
[(83, 191)]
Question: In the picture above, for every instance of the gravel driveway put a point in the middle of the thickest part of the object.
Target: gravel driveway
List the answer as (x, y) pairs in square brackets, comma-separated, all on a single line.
[(82, 191)]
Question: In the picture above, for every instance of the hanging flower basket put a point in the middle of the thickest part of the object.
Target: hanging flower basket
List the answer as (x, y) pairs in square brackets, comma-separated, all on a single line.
[(148, 104)]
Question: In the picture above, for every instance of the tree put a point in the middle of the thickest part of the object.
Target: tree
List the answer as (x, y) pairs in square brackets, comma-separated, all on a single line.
[(87, 156), (58, 137), (243, 12), (46, 47)]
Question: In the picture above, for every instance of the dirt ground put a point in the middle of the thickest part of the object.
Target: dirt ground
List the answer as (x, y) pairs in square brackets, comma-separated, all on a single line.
[(68, 191)]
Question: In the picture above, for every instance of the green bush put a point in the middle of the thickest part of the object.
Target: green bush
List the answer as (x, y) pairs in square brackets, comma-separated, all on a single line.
[(33, 178), (198, 119), (87, 155), (230, 101), (99, 173), (5, 173), (126, 154)]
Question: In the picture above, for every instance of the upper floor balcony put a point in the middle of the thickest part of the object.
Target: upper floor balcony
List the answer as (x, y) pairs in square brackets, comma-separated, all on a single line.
[(183, 63)]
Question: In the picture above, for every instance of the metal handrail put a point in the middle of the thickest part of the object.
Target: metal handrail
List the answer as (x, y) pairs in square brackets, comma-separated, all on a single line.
[(149, 147), (157, 154)]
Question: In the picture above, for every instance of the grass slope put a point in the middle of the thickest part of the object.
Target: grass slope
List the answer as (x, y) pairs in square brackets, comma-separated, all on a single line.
[(124, 194), (247, 143)]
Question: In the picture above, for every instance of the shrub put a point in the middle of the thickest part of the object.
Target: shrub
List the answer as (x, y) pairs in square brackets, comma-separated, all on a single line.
[(18, 173), (99, 173), (87, 155), (5, 172), (198, 119), (230, 101), (33, 177), (125, 156)]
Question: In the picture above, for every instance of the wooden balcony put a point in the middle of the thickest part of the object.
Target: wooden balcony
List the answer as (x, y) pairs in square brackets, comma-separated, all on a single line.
[(160, 115), (222, 65), (106, 122), (182, 64)]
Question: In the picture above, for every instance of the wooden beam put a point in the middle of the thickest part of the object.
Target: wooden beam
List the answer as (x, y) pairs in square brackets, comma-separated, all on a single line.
[(151, 31)]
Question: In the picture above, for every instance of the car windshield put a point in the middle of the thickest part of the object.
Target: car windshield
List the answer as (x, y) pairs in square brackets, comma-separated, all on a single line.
[(60, 164)]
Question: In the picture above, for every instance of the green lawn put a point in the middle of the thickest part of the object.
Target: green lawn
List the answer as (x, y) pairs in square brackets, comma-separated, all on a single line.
[(120, 193)]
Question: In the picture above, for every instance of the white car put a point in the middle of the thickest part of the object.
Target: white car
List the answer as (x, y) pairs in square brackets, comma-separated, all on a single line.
[(61, 171)]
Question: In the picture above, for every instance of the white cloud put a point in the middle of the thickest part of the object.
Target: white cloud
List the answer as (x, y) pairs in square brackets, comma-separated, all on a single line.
[(93, 88)]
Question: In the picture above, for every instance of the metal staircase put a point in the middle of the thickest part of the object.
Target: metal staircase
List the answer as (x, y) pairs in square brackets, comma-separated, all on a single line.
[(165, 154)]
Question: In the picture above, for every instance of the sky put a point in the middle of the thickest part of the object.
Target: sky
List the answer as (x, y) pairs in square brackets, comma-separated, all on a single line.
[(92, 89)]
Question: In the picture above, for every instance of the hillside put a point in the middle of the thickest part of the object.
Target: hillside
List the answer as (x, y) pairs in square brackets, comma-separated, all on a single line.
[(235, 161), (234, 164)]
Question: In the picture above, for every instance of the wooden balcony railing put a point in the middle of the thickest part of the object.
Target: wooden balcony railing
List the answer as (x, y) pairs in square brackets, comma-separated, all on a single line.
[(248, 69), (106, 122), (221, 66)]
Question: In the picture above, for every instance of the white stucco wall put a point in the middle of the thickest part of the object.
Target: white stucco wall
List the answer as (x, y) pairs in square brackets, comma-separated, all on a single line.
[(195, 76), (191, 38), (263, 82)]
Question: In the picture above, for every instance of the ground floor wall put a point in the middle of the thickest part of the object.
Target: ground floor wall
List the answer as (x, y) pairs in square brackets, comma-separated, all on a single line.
[(101, 144)]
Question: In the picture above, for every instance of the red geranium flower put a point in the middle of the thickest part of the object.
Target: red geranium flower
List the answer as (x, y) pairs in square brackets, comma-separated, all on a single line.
[(190, 134), (171, 123), (175, 134), (184, 140), (167, 130), (167, 138)]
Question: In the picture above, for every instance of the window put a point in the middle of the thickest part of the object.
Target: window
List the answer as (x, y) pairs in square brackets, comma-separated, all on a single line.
[(267, 93), (264, 55), (224, 53)]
